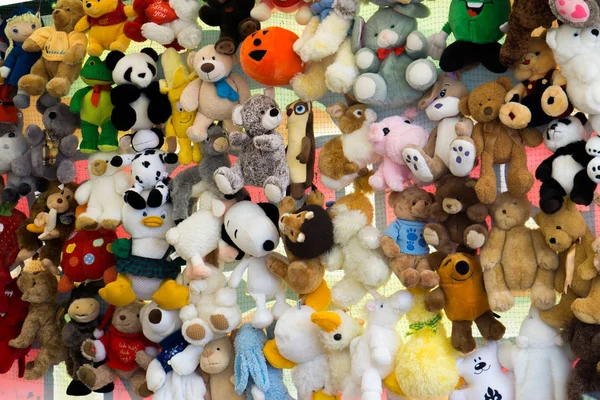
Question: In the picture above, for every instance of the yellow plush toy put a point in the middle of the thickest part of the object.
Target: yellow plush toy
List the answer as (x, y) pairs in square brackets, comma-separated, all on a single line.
[(176, 79), (105, 20)]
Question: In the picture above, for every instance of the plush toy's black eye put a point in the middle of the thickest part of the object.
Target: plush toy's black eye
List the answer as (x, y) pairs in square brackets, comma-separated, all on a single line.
[(443, 93), (337, 337), (392, 27), (262, 113), (145, 214), (214, 58), (218, 349), (458, 198), (559, 227), (11, 135), (406, 121), (381, 306), (576, 34), (92, 63), (537, 53), (414, 203)]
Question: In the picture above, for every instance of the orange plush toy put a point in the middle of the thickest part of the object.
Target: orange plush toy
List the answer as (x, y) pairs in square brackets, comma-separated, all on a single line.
[(268, 57)]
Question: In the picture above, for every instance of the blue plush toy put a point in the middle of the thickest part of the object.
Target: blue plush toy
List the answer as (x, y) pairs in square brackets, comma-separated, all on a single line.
[(253, 373)]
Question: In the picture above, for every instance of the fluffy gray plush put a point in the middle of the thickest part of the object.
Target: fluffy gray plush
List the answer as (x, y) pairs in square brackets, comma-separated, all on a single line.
[(59, 121), (187, 185), (262, 161)]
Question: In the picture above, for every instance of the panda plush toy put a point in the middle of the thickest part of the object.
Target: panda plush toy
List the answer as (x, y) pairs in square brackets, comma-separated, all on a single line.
[(565, 173), (137, 100)]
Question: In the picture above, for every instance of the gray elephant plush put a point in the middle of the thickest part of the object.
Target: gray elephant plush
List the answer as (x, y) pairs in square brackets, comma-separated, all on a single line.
[(14, 145), (392, 56), (261, 161), (51, 147)]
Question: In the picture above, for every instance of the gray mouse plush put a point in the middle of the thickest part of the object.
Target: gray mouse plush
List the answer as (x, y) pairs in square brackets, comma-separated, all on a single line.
[(51, 147), (262, 161), (187, 185)]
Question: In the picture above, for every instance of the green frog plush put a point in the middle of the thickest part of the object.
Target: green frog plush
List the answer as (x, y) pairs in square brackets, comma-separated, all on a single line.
[(93, 105), (477, 27)]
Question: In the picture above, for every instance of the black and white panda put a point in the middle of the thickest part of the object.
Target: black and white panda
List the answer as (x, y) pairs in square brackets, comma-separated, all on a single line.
[(137, 100), (565, 172)]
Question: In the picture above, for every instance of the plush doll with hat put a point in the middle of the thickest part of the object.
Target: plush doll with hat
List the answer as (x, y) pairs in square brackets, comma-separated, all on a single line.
[(307, 234), (233, 19), (94, 107), (267, 56), (261, 161), (253, 229), (176, 80), (63, 50), (584, 377), (215, 93), (461, 294), (477, 28), (357, 243), (515, 257), (177, 27), (122, 349), (39, 289), (373, 353), (403, 242), (496, 143), (103, 22), (263, 9), (51, 147), (391, 55), (102, 194), (449, 148), (540, 351)]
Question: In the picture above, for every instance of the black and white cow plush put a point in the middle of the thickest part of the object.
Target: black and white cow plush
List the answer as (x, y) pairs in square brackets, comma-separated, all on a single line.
[(148, 169), (566, 171), (137, 100)]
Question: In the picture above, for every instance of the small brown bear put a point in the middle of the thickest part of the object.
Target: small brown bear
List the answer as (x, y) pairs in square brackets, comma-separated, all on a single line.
[(567, 233), (218, 363), (497, 144), (40, 290), (584, 340), (403, 242), (516, 257), (460, 217), (50, 223), (462, 295)]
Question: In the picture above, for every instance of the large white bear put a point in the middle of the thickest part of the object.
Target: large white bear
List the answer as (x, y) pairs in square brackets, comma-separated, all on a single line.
[(577, 52)]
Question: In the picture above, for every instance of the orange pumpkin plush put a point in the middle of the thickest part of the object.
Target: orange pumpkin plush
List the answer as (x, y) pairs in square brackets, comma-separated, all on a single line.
[(268, 57)]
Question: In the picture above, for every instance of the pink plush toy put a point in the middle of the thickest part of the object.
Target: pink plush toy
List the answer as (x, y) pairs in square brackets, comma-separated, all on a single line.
[(389, 137), (264, 8)]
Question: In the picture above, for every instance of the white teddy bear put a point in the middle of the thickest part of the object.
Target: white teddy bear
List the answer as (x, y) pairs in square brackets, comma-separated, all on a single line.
[(185, 29), (577, 52)]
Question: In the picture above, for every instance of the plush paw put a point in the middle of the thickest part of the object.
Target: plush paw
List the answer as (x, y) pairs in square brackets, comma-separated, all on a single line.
[(377, 182), (279, 308), (421, 74), (592, 147), (339, 78), (515, 115), (364, 59), (462, 157), (593, 170), (555, 101), (273, 193), (501, 301), (475, 240), (382, 356), (543, 298), (417, 164), (262, 319), (197, 332), (196, 134), (572, 11), (364, 88), (223, 183), (431, 237), (429, 280)]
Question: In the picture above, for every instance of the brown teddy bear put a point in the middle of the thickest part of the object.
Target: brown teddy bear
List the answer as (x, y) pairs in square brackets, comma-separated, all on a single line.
[(63, 51), (495, 143), (50, 223), (123, 348), (577, 278), (516, 257), (40, 290), (584, 340), (462, 295), (307, 234), (541, 96), (460, 217), (403, 242)]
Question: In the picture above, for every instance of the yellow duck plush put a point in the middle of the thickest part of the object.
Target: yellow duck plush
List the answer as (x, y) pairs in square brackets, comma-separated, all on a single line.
[(176, 79), (426, 364), (104, 20)]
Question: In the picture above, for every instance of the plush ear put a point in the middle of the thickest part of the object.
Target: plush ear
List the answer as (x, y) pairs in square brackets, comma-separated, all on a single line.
[(505, 82), (393, 198), (272, 212), (125, 142), (570, 205), (237, 115), (470, 183), (435, 259), (190, 59), (160, 135), (551, 38), (270, 92), (40, 107), (463, 106), (112, 59), (430, 94), (432, 197), (337, 111), (581, 117), (150, 52), (568, 332)]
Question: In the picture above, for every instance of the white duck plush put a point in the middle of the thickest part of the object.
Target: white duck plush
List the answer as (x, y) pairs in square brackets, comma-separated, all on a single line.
[(373, 353), (540, 360), (146, 271), (253, 230)]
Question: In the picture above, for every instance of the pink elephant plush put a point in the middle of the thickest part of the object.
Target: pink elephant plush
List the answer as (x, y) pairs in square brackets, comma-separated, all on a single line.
[(389, 137)]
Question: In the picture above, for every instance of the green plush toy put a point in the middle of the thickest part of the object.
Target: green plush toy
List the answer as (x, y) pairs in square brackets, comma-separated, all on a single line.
[(93, 105), (477, 27)]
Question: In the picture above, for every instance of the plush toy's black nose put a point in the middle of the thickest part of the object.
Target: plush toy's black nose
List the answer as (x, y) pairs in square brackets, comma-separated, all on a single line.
[(52, 115), (462, 267), (595, 32), (552, 240), (155, 316), (142, 75), (268, 245), (88, 5), (553, 126), (207, 67), (488, 110), (59, 201), (480, 366), (274, 112), (503, 211)]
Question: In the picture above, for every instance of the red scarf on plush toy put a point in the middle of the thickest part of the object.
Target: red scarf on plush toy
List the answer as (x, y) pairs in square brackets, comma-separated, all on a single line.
[(112, 18), (96, 91)]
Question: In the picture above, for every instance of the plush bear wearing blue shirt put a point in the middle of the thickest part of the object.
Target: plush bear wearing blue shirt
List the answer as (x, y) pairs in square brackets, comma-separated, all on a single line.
[(403, 242)]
